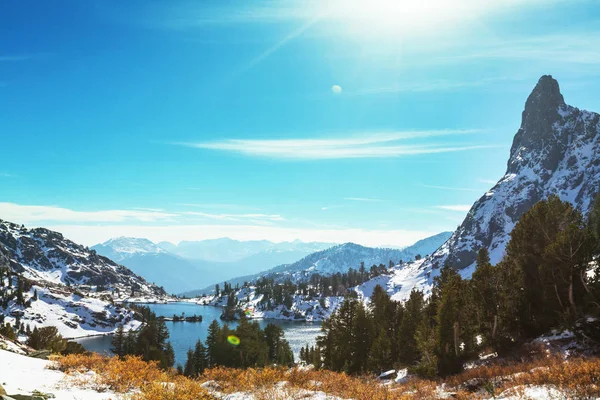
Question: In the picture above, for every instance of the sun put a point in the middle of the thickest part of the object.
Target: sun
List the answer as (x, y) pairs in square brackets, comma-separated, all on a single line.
[(393, 16)]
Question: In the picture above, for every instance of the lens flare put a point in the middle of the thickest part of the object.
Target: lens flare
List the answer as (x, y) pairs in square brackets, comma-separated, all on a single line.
[(233, 340), (248, 312)]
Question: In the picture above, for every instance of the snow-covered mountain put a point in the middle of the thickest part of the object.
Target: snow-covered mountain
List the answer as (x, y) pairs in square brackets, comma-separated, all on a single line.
[(43, 255), (350, 255), (181, 268), (556, 151), (337, 259), (122, 248), (340, 258), (64, 284), (153, 263), (230, 250)]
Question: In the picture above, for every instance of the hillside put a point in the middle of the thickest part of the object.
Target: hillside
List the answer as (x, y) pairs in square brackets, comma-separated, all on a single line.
[(152, 262), (47, 280), (339, 259), (312, 299), (226, 250), (96, 377), (193, 264), (43, 255), (556, 151)]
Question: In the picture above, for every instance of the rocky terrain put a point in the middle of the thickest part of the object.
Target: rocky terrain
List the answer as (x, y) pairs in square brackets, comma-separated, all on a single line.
[(47, 280), (338, 259), (43, 255), (556, 151)]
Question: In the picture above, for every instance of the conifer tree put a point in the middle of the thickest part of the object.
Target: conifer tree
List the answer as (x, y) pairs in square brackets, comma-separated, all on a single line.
[(211, 342), (200, 361), (361, 340), (118, 342), (189, 369)]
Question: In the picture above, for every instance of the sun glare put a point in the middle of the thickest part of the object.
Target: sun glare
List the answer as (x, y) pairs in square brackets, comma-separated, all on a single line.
[(395, 16)]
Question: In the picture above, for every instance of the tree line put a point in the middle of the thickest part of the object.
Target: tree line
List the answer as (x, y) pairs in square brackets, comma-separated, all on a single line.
[(546, 280), (150, 342), (245, 346), (275, 294)]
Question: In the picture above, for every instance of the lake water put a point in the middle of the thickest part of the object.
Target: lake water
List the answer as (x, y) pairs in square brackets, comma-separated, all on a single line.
[(184, 335)]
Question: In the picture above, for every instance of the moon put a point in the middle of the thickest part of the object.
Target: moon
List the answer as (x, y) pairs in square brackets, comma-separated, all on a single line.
[(337, 89)]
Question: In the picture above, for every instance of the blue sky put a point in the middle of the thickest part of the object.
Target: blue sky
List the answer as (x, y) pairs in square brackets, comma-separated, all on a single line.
[(376, 122)]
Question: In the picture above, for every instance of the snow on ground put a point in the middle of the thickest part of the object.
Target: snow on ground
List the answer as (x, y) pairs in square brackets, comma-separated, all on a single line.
[(400, 281), (281, 390), (73, 315), (6, 344), (533, 392), (22, 375), (304, 308)]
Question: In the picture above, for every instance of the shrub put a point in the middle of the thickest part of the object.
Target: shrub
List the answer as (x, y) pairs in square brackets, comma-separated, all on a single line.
[(47, 338)]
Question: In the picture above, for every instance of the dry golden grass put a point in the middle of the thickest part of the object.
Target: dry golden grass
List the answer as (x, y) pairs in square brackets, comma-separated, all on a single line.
[(577, 377), (179, 388), (132, 377), (139, 380), (262, 381)]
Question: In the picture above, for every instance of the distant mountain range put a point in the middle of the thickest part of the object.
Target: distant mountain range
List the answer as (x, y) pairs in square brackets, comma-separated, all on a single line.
[(350, 255), (340, 258), (192, 264), (230, 250)]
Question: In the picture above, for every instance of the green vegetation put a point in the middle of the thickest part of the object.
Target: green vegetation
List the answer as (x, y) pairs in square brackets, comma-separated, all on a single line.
[(245, 346), (543, 282), (151, 342)]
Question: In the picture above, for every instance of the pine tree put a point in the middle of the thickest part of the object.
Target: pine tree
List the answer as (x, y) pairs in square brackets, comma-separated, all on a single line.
[(413, 313), (189, 369), (549, 247), (118, 342), (485, 285), (211, 342), (449, 323), (381, 354), (169, 356), (361, 340), (200, 361)]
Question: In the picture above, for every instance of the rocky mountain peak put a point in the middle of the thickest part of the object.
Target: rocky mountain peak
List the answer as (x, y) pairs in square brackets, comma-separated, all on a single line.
[(556, 151), (542, 111)]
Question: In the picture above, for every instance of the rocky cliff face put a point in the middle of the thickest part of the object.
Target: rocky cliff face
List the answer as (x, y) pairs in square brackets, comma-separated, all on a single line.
[(555, 151), (43, 255)]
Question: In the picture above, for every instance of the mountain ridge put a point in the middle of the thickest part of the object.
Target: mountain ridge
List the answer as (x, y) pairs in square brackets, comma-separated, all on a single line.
[(48, 280), (552, 153)]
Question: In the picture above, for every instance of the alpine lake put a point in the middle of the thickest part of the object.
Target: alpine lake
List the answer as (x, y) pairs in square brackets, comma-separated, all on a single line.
[(184, 335)]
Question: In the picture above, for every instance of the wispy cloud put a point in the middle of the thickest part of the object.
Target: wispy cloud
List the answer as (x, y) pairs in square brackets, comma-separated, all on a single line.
[(223, 206), (235, 217), (5, 174), (376, 145), (90, 235), (571, 47), (34, 213), (456, 207), (451, 188), (490, 181), (325, 208), (361, 199)]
